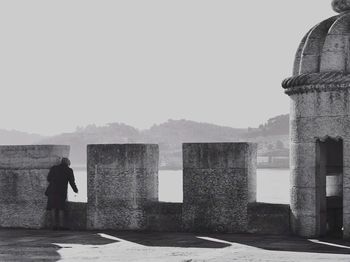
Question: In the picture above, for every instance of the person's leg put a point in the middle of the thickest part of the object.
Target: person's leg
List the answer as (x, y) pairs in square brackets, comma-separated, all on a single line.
[(53, 225), (61, 218)]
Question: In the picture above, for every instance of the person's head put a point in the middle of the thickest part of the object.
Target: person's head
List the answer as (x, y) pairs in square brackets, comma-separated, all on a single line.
[(65, 161)]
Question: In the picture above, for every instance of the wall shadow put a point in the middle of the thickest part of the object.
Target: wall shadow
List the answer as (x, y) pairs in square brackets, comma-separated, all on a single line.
[(152, 239), (43, 245), (289, 243), (267, 242)]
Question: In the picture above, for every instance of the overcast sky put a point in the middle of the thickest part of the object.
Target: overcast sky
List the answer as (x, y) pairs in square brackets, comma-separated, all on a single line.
[(71, 63)]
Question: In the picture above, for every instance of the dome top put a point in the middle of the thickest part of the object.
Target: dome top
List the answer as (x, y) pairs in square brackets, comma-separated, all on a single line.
[(323, 55), (341, 5), (326, 47)]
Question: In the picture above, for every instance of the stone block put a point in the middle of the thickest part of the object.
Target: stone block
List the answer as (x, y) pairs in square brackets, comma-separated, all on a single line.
[(122, 181), (219, 180), (23, 181)]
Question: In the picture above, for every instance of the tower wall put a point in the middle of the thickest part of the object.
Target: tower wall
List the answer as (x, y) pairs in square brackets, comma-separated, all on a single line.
[(316, 115), (122, 182)]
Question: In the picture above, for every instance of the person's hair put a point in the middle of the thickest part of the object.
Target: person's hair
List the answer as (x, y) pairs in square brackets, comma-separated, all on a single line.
[(65, 161)]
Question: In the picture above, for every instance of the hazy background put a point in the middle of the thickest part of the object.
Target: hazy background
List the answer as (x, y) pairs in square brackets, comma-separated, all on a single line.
[(65, 64)]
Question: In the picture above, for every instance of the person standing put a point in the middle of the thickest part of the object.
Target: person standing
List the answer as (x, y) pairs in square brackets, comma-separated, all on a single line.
[(59, 176)]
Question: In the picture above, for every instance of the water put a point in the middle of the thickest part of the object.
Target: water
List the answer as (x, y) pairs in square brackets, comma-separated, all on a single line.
[(272, 186)]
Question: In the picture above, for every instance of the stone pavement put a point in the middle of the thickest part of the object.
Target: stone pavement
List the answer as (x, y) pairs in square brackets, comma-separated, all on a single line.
[(44, 245)]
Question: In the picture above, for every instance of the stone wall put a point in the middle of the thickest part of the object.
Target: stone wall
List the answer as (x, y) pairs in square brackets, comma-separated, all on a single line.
[(219, 187), (122, 181), (23, 181), (219, 180), (271, 219)]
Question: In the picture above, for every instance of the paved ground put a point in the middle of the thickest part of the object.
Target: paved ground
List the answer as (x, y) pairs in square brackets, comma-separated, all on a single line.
[(41, 245)]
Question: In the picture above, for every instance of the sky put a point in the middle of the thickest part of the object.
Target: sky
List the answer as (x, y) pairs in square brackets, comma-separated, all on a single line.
[(65, 64)]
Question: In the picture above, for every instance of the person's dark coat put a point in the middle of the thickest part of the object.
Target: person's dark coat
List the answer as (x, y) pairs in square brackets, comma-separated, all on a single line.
[(58, 178)]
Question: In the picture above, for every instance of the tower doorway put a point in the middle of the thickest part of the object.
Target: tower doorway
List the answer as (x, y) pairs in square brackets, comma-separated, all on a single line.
[(329, 183)]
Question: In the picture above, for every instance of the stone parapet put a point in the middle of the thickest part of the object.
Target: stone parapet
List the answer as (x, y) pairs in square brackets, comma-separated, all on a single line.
[(122, 180), (219, 180)]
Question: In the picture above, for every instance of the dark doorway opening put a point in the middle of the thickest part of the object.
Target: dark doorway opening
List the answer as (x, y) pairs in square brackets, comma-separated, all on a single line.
[(329, 182)]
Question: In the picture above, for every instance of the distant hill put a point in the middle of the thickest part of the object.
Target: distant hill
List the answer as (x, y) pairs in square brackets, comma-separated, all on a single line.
[(278, 125), (271, 136), (78, 140), (14, 137)]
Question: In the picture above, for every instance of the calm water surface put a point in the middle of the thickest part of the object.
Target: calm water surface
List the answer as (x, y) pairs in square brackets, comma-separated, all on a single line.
[(272, 186)]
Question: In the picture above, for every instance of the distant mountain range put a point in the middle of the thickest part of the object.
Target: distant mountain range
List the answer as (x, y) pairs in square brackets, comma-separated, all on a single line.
[(272, 136)]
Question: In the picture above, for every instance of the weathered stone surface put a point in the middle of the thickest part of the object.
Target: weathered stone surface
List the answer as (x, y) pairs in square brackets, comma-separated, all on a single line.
[(219, 180), (308, 129), (164, 217), (23, 181), (303, 155), (346, 157), (24, 214), (123, 156), (272, 219), (303, 201), (76, 215), (22, 184), (304, 226), (303, 176), (335, 103), (346, 200), (122, 180), (217, 155)]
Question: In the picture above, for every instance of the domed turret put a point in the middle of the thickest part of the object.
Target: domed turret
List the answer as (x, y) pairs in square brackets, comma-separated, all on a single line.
[(320, 128)]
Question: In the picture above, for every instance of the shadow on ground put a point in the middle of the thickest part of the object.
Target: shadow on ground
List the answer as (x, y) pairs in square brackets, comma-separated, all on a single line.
[(289, 243), (44, 245), (266, 242), (168, 240)]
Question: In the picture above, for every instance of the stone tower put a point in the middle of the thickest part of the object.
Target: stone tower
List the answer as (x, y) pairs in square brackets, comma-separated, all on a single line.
[(320, 128)]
